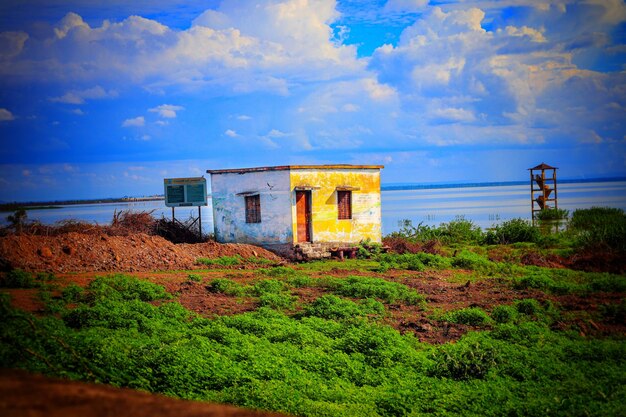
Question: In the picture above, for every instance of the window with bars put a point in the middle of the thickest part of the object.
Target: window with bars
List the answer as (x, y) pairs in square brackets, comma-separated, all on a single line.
[(253, 209), (344, 205)]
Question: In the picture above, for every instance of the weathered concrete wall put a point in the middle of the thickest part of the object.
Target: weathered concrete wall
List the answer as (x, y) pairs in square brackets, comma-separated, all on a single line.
[(366, 210), (229, 213)]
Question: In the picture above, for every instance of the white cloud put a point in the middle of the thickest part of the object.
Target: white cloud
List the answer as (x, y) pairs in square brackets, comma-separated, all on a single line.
[(243, 117), (167, 111), (135, 122), (533, 34), (12, 43), (5, 115), (244, 46), (231, 133), (78, 112), (80, 96)]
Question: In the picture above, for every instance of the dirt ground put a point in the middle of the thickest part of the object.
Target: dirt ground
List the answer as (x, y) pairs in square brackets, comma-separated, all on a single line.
[(79, 258), (78, 252), (27, 395)]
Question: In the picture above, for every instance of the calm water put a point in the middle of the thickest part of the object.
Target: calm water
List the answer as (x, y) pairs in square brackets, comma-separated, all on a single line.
[(485, 206)]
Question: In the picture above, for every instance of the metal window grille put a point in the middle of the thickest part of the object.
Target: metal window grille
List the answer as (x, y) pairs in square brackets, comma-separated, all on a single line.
[(344, 205), (253, 209)]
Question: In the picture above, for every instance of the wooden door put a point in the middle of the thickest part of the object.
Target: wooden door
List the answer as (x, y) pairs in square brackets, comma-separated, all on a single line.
[(303, 215)]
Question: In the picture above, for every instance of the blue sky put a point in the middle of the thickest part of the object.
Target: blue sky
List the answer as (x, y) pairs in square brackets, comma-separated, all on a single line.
[(105, 99)]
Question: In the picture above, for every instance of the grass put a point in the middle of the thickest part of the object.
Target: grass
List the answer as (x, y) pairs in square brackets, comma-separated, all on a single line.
[(332, 359), (221, 261), (334, 354)]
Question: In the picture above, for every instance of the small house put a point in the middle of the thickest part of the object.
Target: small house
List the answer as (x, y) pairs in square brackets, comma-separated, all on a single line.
[(311, 209)]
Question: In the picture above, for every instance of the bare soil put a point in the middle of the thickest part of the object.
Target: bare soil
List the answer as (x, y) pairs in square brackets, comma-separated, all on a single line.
[(78, 258), (27, 395), (100, 252)]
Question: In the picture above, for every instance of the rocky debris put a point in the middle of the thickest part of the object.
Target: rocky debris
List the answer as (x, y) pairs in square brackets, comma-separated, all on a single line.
[(77, 252)]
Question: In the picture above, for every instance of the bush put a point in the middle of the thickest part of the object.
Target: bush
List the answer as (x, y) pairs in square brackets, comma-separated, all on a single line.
[(268, 286), (528, 306), (503, 314), (337, 308), (466, 359), (600, 227), (277, 301), (17, 278), (471, 316), (552, 214), (124, 287), (460, 231), (226, 286), (512, 231), (365, 287), (194, 278), (474, 262)]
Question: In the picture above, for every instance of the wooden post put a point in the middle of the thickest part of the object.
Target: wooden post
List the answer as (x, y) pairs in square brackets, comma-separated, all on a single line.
[(200, 221), (532, 200), (556, 198)]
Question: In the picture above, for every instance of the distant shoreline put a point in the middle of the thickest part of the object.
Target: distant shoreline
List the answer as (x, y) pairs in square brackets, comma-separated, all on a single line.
[(44, 205), (401, 187), (41, 205)]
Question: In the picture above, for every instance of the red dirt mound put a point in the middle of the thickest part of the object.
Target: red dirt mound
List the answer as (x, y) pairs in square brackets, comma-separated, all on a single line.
[(76, 252), (24, 394)]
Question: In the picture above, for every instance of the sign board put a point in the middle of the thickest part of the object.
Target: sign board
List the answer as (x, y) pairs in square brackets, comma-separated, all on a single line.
[(185, 192)]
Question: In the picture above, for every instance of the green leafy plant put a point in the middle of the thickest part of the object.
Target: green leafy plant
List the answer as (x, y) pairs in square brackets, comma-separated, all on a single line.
[(221, 261), (17, 278), (552, 214), (471, 316), (194, 277), (226, 286), (512, 231), (503, 314)]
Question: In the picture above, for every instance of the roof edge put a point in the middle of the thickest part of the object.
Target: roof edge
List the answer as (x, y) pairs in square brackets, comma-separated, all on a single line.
[(291, 167)]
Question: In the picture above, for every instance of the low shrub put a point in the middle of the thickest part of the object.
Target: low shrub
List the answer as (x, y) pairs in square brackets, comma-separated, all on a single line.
[(17, 278), (194, 278), (473, 261), (512, 231), (366, 287), (464, 360), (503, 314), (125, 287), (277, 301), (337, 308), (267, 286), (471, 316), (528, 306), (600, 228), (222, 261), (226, 286), (552, 214)]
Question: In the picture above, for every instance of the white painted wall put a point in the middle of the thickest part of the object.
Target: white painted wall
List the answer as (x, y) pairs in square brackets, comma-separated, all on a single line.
[(229, 213)]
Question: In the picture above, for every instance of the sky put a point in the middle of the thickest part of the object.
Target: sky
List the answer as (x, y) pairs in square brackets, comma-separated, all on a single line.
[(108, 98)]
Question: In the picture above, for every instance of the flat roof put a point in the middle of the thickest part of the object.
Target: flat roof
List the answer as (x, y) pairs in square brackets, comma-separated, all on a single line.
[(290, 167)]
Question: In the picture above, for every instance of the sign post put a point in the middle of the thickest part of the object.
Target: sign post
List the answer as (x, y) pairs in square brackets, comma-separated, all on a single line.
[(186, 192)]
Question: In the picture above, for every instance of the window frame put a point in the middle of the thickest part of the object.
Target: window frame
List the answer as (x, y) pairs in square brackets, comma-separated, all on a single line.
[(344, 205), (252, 205)]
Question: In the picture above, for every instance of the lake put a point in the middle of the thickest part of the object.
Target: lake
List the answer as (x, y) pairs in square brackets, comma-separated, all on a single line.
[(483, 205)]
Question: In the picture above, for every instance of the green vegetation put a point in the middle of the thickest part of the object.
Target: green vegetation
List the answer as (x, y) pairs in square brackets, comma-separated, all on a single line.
[(222, 261), (552, 214), (332, 359), (320, 341), (600, 228)]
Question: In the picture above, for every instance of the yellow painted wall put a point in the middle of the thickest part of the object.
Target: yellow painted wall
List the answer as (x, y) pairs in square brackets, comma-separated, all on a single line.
[(366, 209)]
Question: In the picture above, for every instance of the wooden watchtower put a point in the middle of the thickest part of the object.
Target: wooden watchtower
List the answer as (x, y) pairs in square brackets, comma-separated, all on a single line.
[(543, 194)]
